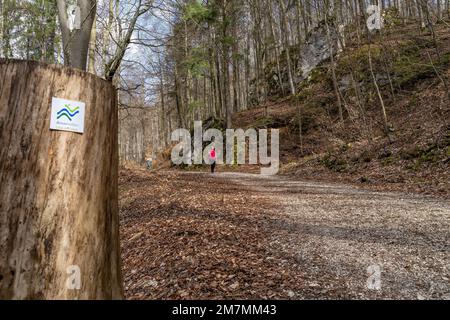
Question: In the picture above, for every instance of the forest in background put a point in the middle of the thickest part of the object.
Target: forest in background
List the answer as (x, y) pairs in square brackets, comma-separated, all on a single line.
[(174, 62)]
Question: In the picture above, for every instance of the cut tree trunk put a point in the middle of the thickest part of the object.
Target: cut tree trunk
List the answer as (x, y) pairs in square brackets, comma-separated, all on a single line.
[(58, 194)]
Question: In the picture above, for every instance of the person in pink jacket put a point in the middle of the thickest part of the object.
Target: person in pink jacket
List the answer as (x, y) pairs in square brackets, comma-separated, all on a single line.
[(212, 157)]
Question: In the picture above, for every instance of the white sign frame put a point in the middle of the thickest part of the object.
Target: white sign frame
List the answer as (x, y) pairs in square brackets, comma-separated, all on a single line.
[(67, 115)]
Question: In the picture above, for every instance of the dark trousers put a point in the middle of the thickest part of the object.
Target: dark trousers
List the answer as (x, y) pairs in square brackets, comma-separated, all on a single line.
[(213, 167)]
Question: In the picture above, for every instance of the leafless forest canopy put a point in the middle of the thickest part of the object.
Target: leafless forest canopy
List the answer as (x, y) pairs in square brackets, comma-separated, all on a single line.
[(178, 61)]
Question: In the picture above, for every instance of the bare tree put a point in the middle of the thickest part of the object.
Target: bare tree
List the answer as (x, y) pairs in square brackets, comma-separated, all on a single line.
[(113, 65), (76, 41)]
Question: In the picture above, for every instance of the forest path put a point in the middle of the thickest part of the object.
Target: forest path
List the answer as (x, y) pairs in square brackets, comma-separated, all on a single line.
[(235, 235)]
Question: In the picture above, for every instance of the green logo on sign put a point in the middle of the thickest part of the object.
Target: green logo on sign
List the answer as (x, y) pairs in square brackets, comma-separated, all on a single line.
[(68, 112)]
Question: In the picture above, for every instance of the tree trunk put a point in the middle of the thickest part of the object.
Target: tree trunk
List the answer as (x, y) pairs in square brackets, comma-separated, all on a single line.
[(277, 53), (59, 194), (333, 68), (93, 41), (76, 42), (285, 24), (5, 30), (380, 97)]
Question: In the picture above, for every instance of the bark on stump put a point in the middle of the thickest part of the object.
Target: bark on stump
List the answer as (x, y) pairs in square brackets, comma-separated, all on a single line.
[(58, 190)]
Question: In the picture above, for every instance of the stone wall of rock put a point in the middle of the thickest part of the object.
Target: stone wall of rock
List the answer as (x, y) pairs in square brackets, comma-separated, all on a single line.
[(317, 48)]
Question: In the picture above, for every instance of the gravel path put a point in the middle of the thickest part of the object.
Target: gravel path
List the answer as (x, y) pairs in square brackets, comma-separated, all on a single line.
[(343, 238), (241, 236)]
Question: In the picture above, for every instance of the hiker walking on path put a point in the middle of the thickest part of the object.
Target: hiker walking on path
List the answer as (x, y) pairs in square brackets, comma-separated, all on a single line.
[(212, 157)]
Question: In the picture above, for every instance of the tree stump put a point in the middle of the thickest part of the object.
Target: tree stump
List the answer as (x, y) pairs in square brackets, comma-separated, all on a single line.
[(59, 228)]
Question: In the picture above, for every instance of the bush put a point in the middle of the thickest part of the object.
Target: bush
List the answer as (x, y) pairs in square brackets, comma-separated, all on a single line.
[(334, 163)]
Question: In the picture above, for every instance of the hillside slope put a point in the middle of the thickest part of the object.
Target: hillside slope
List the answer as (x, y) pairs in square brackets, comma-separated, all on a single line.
[(413, 154)]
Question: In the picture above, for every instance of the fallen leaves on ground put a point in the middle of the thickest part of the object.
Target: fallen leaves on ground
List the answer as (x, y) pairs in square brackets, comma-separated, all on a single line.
[(188, 239)]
